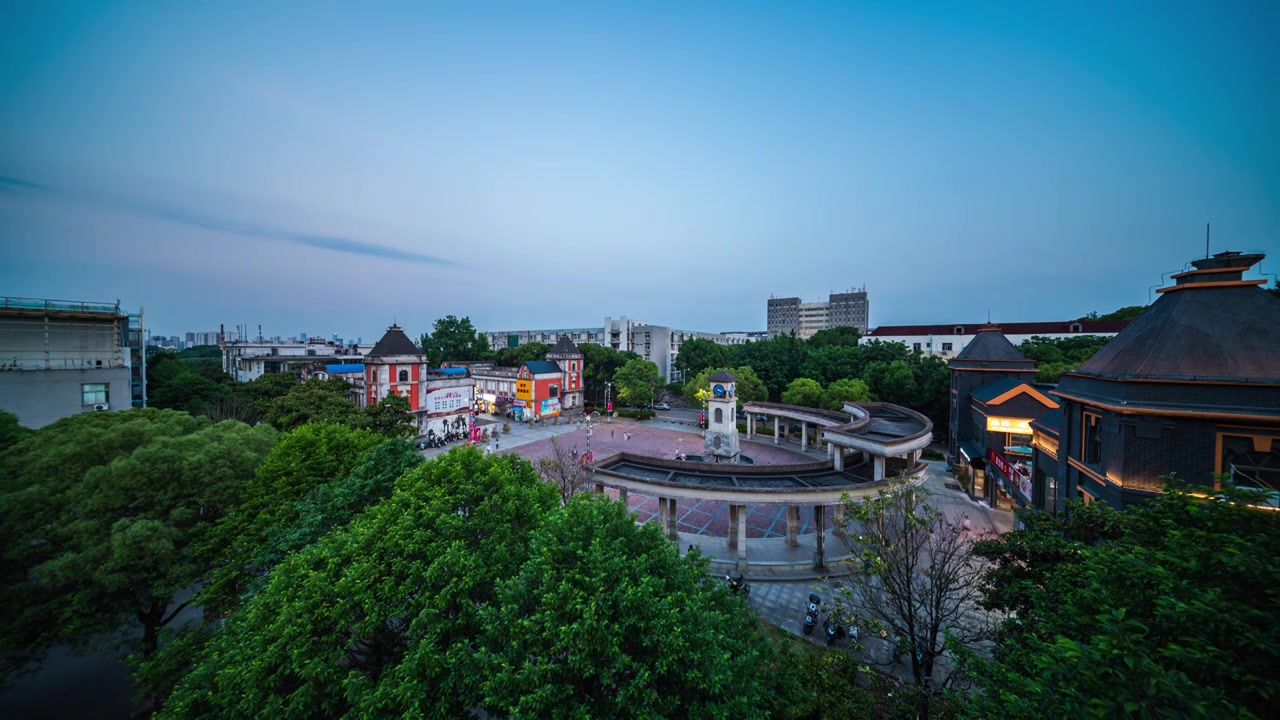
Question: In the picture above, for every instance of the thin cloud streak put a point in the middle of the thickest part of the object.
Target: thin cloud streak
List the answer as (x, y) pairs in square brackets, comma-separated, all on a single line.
[(228, 225)]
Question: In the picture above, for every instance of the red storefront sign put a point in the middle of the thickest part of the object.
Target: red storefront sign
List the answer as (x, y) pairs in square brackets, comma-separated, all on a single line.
[(1001, 464)]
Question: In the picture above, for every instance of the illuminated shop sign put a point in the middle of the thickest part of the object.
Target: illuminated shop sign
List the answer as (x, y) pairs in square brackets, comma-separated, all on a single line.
[(1009, 425)]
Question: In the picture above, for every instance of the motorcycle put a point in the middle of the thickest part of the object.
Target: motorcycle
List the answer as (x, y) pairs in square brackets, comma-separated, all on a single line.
[(811, 615), (835, 629), (738, 582)]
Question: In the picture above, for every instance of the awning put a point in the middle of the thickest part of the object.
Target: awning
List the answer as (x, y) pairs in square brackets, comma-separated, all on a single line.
[(972, 453)]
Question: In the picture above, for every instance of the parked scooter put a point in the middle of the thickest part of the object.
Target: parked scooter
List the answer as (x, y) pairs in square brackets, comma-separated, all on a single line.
[(811, 615), (738, 583), (835, 629)]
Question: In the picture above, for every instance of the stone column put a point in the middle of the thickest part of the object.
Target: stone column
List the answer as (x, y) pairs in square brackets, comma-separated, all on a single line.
[(838, 459), (819, 521), (830, 450), (622, 495), (775, 429), (804, 436), (878, 475), (751, 424), (742, 532), (733, 527), (793, 526), (663, 511), (673, 517)]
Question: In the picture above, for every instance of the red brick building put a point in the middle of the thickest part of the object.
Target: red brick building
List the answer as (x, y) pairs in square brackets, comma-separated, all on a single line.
[(439, 398)]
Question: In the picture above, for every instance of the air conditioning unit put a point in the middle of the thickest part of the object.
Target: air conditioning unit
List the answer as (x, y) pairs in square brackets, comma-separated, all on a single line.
[(102, 406)]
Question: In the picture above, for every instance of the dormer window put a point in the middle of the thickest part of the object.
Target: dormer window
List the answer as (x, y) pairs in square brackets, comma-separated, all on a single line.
[(1076, 327), (959, 329)]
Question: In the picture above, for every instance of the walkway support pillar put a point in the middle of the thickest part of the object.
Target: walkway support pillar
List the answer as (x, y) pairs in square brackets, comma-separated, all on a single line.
[(830, 450), (664, 511), (742, 533), (804, 436), (733, 527), (838, 459), (793, 526), (622, 495), (751, 425), (673, 516), (819, 521), (775, 429), (879, 468)]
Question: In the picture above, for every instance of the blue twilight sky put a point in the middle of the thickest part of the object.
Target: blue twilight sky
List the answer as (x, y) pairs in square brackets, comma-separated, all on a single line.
[(329, 166)]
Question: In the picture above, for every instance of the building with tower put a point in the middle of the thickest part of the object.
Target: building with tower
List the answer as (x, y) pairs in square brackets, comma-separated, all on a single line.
[(721, 436), (440, 399), (569, 358)]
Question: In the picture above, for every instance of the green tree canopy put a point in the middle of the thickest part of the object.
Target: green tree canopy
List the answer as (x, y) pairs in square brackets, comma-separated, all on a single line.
[(11, 432), (517, 356), (830, 363), (605, 619), (749, 389), (637, 382), (1124, 313), (803, 391), (892, 382), (1167, 609), (698, 354), (106, 516), (599, 365), (452, 338), (383, 618), (315, 401), (837, 336), (1054, 356), (390, 417), (842, 391)]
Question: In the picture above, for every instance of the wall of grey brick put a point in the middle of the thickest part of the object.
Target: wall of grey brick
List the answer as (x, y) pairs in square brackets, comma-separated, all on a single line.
[(39, 397)]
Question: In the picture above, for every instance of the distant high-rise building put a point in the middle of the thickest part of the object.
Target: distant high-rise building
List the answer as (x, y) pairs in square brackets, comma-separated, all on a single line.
[(790, 315)]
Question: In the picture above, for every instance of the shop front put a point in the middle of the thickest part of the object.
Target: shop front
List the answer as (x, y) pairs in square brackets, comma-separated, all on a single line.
[(1009, 483)]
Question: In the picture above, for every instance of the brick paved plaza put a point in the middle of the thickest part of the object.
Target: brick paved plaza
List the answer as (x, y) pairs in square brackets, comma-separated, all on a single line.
[(703, 518)]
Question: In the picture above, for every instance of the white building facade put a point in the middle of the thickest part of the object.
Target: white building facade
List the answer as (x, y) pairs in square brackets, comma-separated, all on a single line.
[(947, 341)]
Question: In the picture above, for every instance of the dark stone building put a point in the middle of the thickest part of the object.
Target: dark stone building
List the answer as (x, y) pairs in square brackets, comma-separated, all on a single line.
[(1192, 387), (993, 402)]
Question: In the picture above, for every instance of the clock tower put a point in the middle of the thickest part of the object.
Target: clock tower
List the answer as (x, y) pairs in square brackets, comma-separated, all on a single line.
[(722, 420)]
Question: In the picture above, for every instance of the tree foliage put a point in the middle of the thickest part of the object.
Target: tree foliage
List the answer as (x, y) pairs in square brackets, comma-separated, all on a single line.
[(1167, 609), (390, 417), (892, 382), (749, 386), (453, 338), (637, 382), (564, 470), (1124, 313), (842, 391), (517, 356), (107, 516), (600, 363), (384, 617), (803, 391), (605, 619), (314, 401), (11, 432), (698, 354), (838, 336)]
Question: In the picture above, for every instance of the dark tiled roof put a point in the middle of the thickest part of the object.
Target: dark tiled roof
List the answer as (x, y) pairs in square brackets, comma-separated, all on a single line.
[(564, 346), (1211, 333), (1087, 327), (993, 389), (395, 342), (990, 345), (541, 367), (723, 376), (1048, 422)]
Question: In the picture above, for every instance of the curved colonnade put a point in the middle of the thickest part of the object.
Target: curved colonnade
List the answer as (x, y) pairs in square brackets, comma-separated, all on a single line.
[(867, 444)]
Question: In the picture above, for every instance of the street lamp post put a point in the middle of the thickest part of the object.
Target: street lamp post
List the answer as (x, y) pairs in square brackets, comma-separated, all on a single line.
[(608, 402)]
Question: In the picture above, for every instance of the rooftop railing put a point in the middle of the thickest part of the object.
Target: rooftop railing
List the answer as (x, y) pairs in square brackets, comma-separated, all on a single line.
[(20, 303)]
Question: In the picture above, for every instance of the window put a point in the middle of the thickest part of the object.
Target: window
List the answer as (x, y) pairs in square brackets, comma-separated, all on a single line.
[(719, 415), (916, 346), (553, 391), (1092, 451), (959, 329), (94, 393), (1075, 327), (404, 376), (946, 347)]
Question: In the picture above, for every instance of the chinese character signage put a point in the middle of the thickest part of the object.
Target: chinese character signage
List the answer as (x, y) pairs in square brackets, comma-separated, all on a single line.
[(524, 389), (1009, 425), (551, 407), (446, 400)]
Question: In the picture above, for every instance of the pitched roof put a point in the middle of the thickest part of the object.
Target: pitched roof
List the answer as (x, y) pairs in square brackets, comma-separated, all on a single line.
[(540, 367), (564, 346), (1048, 422), (723, 376), (991, 346), (1063, 327), (395, 342), (994, 389), (1225, 333)]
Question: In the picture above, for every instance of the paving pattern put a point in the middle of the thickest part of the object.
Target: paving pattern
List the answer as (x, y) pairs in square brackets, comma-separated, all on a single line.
[(699, 517)]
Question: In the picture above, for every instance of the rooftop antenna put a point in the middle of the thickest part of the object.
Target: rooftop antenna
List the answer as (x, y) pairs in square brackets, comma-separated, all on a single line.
[(1206, 241)]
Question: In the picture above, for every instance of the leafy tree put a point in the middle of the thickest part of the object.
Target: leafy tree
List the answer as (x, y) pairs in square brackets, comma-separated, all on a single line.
[(390, 417), (830, 363), (842, 391), (1167, 609), (315, 401), (837, 336), (107, 516), (515, 357), (933, 389), (605, 619), (1054, 356), (563, 470), (260, 391), (803, 391), (452, 338), (305, 459), (599, 365), (892, 382), (749, 389), (699, 354), (1124, 313), (11, 432), (919, 586), (637, 382), (384, 618), (187, 391), (777, 361)]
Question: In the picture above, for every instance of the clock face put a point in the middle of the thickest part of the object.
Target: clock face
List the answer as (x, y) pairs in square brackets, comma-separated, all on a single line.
[(718, 390)]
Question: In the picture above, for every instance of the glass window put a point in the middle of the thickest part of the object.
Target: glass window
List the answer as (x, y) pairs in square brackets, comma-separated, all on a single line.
[(553, 391), (719, 415), (1092, 450), (946, 347), (94, 393), (404, 376)]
